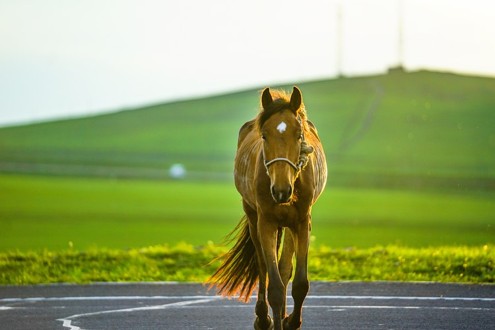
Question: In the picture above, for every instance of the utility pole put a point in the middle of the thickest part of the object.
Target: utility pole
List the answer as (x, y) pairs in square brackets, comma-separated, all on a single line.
[(340, 49), (400, 50)]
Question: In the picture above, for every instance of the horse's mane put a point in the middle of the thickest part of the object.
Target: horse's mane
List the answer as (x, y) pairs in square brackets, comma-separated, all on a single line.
[(281, 101)]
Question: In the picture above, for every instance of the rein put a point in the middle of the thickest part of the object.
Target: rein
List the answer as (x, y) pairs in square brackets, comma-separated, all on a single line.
[(306, 149)]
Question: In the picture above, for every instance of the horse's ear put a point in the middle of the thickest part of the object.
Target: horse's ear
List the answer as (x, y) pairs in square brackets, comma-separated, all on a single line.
[(295, 99), (266, 98)]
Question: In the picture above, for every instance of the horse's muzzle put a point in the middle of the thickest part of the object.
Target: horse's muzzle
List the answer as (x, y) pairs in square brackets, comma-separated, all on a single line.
[(281, 194)]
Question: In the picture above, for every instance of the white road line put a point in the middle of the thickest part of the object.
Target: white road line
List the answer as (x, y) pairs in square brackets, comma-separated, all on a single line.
[(402, 307), (67, 321), (346, 307), (105, 298), (442, 298)]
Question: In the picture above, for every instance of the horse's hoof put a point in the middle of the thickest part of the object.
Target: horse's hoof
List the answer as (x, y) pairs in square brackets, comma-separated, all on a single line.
[(286, 324), (266, 325)]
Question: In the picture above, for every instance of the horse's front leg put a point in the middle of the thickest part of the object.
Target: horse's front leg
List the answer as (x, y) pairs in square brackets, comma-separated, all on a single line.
[(267, 234), (263, 320), (300, 284), (285, 264)]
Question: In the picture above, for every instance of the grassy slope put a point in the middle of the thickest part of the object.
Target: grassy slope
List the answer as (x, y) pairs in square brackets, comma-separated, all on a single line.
[(418, 128), (198, 133), (427, 128)]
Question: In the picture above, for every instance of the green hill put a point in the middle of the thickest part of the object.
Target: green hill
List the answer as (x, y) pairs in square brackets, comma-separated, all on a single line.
[(407, 129), (411, 161)]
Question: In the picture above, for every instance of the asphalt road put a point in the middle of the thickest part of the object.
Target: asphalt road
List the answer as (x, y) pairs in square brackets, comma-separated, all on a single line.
[(343, 305)]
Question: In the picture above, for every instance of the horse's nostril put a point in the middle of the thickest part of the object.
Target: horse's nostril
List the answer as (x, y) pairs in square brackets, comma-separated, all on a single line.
[(281, 195)]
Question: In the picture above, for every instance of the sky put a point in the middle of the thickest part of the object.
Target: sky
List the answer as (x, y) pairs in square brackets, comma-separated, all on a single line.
[(66, 58)]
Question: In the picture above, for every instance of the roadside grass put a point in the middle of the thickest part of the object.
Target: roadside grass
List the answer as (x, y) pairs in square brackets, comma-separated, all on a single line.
[(187, 263)]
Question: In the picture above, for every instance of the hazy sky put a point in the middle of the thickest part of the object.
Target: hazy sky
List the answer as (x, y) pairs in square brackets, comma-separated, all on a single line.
[(61, 58)]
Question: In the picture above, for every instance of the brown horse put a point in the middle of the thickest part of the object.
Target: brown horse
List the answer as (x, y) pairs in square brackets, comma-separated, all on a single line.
[(280, 171)]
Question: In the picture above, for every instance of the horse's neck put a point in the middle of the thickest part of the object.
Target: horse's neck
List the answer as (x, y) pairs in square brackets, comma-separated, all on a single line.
[(246, 163)]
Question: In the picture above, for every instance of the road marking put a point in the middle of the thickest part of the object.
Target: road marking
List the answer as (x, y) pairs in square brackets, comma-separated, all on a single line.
[(442, 298), (341, 308), (67, 321), (402, 307), (104, 298)]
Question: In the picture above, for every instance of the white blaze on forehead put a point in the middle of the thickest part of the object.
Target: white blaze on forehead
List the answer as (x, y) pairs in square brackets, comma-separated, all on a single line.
[(282, 127)]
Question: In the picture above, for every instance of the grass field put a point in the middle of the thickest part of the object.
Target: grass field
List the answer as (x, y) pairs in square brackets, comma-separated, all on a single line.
[(58, 212)]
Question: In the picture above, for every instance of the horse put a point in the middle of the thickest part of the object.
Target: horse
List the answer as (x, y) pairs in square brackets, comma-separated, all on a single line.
[(280, 171)]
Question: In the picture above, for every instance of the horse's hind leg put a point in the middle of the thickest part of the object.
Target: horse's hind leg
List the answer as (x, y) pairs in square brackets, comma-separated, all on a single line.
[(300, 284)]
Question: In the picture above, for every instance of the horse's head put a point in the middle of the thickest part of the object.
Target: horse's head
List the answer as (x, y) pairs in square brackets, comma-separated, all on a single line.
[(281, 127)]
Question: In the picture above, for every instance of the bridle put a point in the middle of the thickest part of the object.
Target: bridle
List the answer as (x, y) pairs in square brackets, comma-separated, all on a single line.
[(306, 149)]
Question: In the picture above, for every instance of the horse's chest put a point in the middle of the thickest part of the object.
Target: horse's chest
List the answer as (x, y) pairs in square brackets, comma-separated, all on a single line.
[(283, 215)]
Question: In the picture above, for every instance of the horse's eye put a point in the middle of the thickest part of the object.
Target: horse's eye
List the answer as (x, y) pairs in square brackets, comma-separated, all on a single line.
[(263, 137)]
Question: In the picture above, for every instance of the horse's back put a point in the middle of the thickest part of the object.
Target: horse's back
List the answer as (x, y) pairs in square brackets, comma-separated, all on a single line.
[(318, 161)]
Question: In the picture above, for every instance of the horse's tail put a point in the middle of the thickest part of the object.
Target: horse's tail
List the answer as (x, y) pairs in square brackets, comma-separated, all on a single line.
[(239, 271)]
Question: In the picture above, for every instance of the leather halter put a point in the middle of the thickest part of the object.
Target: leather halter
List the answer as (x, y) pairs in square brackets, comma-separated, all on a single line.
[(283, 159)]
